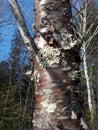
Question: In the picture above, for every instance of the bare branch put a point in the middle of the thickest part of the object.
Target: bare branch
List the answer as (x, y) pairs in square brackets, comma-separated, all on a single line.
[(22, 25), (90, 38)]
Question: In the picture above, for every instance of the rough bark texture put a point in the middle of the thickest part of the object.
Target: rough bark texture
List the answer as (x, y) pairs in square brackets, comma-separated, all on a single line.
[(53, 24), (57, 101), (57, 104)]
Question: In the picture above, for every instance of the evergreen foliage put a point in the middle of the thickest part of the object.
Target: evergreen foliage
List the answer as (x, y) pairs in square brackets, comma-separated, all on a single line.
[(16, 93)]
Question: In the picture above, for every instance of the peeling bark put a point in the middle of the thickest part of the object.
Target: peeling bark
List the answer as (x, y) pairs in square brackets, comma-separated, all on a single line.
[(56, 100), (53, 24), (57, 103)]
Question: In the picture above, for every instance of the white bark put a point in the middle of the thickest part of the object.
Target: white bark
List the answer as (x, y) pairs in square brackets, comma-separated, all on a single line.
[(21, 24), (91, 102), (86, 40), (24, 32)]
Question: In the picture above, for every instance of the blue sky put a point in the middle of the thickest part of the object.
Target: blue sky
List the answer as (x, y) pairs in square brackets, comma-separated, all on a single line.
[(97, 1), (8, 24), (6, 28), (6, 34)]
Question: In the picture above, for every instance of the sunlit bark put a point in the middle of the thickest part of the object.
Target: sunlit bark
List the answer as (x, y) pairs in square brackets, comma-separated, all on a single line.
[(57, 102)]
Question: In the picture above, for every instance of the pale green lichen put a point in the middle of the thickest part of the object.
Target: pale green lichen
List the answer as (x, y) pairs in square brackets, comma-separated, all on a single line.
[(45, 103), (73, 115), (67, 68), (47, 91), (35, 76), (73, 74), (62, 117), (48, 56), (51, 107)]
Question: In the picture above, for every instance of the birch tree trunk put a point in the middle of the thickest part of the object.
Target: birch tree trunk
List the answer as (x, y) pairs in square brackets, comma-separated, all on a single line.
[(90, 92), (58, 104), (86, 23)]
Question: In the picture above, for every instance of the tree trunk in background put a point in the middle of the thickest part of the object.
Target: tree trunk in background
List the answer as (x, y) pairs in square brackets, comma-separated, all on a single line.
[(91, 101), (57, 100), (90, 91)]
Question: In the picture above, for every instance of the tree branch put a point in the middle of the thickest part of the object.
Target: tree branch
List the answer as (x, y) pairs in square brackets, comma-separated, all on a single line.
[(22, 26)]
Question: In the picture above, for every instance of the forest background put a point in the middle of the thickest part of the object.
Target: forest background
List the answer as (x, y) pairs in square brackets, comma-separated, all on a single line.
[(16, 91)]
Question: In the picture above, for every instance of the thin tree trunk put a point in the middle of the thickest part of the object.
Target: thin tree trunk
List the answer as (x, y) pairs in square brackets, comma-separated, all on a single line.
[(28, 41), (57, 99), (91, 101)]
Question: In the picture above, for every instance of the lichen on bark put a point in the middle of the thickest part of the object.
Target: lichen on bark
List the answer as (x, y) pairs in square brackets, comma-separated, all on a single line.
[(53, 24), (48, 56)]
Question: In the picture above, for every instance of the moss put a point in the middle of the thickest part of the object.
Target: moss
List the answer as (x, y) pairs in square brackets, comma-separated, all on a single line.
[(87, 115)]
